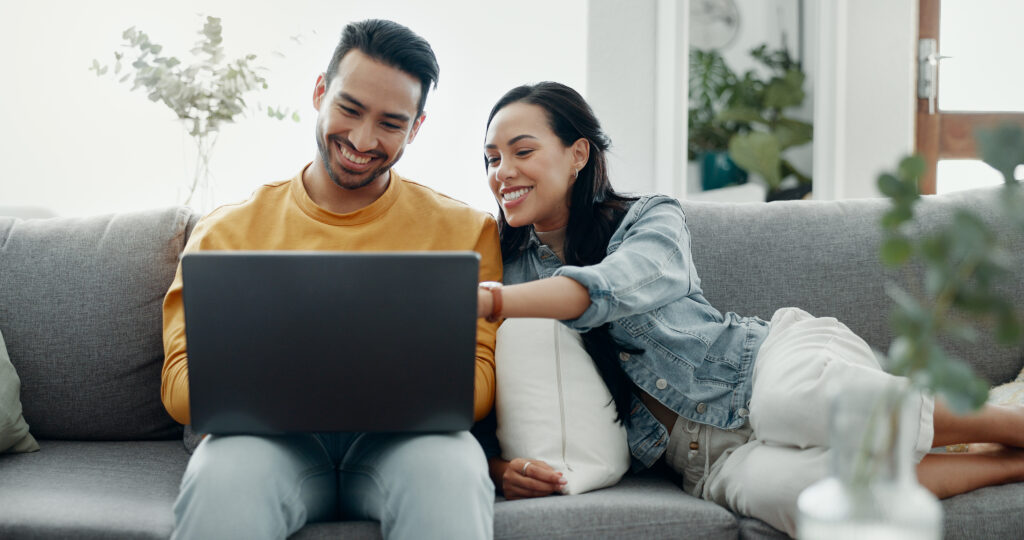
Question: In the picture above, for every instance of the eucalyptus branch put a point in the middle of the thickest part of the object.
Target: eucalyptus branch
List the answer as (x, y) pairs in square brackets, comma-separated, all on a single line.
[(204, 95), (962, 261)]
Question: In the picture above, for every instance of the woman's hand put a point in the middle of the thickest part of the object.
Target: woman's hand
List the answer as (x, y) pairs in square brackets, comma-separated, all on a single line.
[(525, 478)]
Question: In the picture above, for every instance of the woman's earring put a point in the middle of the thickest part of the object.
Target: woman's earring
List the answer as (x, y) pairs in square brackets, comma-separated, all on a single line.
[(575, 173)]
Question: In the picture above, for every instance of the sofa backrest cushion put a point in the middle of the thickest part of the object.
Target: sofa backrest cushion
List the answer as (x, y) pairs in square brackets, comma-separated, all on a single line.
[(822, 256), (80, 308)]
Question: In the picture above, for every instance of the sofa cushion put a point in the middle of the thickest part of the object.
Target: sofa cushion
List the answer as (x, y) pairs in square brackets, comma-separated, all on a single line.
[(74, 489), (822, 256), (991, 512), (640, 506), (14, 435), (80, 308)]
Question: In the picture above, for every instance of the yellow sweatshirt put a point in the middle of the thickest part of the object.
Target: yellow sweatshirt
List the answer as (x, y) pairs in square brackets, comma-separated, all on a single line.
[(281, 216)]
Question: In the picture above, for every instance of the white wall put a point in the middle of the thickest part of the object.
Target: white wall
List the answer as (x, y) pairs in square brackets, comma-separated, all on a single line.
[(636, 83), (81, 145), (621, 55), (864, 121)]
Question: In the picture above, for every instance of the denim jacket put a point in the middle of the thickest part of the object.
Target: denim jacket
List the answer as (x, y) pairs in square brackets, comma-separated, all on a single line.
[(696, 361)]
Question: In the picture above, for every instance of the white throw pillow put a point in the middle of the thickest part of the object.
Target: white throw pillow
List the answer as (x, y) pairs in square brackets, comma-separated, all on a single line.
[(552, 405)]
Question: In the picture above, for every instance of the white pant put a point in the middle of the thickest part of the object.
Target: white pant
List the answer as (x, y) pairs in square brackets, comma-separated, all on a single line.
[(798, 367)]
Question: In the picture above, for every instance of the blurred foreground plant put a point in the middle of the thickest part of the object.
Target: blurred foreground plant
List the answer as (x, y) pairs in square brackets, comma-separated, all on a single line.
[(963, 261)]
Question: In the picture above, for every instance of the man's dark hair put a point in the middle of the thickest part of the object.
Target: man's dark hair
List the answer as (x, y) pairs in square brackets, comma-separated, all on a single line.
[(392, 44)]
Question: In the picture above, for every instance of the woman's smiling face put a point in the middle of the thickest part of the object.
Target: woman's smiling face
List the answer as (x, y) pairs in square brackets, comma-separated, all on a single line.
[(530, 170)]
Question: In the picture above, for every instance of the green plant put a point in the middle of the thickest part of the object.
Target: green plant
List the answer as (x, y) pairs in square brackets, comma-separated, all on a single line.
[(711, 84), (204, 94), (963, 261), (746, 115)]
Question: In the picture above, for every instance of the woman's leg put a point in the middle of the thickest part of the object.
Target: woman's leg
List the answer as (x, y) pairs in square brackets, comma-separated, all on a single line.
[(764, 481), (804, 362), (946, 475), (993, 423)]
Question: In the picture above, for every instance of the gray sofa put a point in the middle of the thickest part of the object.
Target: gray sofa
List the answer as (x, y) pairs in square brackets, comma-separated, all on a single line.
[(80, 310)]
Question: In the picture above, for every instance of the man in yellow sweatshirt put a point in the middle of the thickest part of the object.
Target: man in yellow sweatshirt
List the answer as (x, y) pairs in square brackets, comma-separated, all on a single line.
[(370, 105)]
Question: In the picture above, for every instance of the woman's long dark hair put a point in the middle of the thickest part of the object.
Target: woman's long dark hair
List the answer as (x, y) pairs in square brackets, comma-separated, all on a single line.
[(595, 212)]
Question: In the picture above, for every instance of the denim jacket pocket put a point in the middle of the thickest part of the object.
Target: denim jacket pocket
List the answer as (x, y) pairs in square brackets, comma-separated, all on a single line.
[(636, 325)]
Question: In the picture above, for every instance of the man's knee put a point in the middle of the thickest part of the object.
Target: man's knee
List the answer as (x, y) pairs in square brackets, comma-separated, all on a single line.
[(239, 466), (445, 464)]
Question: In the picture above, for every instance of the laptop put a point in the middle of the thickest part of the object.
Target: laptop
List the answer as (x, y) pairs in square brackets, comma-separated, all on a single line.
[(288, 341)]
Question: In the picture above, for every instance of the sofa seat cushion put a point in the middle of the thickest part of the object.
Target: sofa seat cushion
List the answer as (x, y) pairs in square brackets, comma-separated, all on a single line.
[(640, 506), (72, 489), (992, 512)]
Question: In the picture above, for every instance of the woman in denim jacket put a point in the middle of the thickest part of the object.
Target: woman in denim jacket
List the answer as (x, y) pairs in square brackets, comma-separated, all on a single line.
[(734, 404)]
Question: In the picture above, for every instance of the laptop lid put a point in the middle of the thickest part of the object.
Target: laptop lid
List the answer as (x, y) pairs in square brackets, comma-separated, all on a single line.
[(286, 341)]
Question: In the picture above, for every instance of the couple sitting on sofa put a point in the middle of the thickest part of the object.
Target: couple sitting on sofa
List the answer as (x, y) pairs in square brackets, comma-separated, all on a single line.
[(734, 404)]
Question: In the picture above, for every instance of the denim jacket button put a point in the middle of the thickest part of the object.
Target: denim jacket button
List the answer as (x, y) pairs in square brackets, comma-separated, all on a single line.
[(702, 407), (624, 356), (662, 384)]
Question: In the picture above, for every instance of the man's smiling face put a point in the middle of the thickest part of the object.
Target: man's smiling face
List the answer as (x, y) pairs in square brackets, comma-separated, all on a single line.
[(367, 114)]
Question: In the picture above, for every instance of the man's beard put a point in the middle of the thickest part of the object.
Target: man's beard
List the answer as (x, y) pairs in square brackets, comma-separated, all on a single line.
[(356, 179)]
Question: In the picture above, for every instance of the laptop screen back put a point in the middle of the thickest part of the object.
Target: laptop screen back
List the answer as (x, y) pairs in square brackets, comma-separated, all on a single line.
[(330, 341)]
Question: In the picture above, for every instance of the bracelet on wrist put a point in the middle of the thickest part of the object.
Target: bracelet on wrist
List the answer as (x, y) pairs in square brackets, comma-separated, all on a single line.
[(496, 304)]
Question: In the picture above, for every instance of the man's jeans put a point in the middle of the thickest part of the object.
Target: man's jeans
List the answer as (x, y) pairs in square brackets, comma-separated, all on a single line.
[(416, 485)]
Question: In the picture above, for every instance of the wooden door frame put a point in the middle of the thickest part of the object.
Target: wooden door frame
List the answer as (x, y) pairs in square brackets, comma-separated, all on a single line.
[(927, 125), (946, 134)]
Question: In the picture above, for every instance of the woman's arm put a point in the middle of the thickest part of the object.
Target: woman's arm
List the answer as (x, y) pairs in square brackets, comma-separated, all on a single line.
[(649, 268), (559, 298)]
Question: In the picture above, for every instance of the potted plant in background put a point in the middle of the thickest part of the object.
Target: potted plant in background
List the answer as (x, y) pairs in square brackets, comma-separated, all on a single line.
[(203, 95), (711, 86), (873, 490), (747, 118)]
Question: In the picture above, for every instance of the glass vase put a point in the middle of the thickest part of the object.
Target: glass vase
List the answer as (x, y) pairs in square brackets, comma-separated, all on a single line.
[(872, 489), (198, 193)]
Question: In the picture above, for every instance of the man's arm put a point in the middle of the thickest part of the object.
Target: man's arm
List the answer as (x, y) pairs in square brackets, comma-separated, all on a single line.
[(174, 378), (490, 270)]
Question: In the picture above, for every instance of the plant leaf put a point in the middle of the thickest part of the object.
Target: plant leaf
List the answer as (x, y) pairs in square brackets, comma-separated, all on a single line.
[(759, 153), (1002, 148), (890, 186), (896, 250), (785, 91), (911, 167), (740, 114), (793, 132)]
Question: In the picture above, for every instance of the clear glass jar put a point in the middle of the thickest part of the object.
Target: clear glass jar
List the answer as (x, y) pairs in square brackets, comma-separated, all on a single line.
[(872, 489)]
